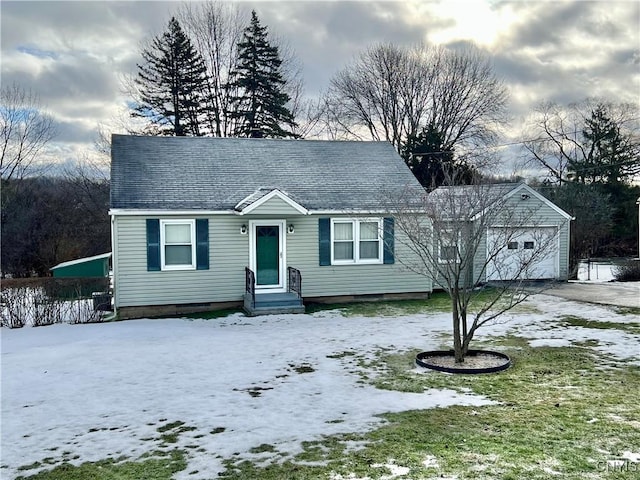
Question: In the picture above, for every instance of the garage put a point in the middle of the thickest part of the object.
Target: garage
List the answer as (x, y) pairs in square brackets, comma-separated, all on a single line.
[(525, 253)]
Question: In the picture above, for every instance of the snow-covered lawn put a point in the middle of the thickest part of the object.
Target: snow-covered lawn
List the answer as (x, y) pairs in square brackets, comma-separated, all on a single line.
[(102, 390)]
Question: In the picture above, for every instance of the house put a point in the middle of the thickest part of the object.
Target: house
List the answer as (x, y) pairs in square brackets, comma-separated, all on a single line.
[(513, 231), (205, 223)]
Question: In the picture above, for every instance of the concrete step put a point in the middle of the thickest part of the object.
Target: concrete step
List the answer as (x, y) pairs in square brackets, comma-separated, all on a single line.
[(272, 303)]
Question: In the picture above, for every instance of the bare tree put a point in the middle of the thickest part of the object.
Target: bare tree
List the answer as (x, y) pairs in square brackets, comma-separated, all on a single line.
[(390, 92), (25, 130), (382, 95), (466, 236), (468, 102), (216, 28), (557, 139)]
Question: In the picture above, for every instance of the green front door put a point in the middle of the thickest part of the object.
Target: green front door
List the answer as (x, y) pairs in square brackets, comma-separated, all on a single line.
[(267, 255)]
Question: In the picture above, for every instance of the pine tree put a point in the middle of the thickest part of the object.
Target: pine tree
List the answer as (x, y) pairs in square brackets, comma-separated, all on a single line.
[(607, 154), (171, 85), (432, 162), (260, 108)]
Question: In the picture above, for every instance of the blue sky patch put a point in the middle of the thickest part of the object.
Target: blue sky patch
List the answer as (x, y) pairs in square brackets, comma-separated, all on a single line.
[(37, 52)]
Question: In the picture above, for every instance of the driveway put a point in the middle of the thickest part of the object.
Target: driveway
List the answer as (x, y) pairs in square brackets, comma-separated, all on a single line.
[(610, 293)]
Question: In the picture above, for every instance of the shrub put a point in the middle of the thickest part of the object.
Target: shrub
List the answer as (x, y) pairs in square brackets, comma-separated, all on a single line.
[(46, 310), (16, 307), (628, 272), (45, 301)]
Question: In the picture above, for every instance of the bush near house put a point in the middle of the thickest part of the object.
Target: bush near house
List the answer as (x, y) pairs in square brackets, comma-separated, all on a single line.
[(45, 301), (628, 272)]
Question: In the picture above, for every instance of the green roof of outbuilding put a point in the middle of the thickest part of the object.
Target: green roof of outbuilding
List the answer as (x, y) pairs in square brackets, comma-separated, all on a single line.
[(81, 260)]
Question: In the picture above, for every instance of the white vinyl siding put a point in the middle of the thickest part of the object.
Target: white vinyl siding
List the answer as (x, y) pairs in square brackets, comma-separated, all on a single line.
[(229, 254)]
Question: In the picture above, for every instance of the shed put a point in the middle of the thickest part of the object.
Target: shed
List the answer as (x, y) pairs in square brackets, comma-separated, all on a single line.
[(88, 267)]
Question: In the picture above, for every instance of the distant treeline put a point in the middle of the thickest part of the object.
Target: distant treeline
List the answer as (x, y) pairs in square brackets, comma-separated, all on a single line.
[(48, 220)]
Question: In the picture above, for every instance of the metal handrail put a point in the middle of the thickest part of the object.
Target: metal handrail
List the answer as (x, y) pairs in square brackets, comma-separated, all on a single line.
[(250, 284), (295, 281)]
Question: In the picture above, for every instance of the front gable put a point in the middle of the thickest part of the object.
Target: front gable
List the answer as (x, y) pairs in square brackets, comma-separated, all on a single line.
[(269, 202)]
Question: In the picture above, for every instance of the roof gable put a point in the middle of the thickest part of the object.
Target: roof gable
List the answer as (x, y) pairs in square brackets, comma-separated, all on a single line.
[(524, 189), (487, 195), (262, 199)]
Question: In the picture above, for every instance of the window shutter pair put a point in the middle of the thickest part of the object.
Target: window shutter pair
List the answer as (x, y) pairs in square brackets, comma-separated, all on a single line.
[(324, 236), (153, 244)]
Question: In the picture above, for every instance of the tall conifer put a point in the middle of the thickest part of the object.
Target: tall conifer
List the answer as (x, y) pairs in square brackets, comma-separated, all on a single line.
[(260, 107), (171, 85)]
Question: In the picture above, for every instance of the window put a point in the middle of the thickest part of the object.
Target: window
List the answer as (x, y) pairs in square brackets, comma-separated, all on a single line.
[(369, 240), (512, 245), (448, 247), (343, 241), (356, 241), (528, 245), (177, 239)]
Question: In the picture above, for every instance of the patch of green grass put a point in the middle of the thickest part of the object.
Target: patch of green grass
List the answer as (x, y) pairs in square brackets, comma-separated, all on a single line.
[(30, 466), (438, 302), (574, 321), (627, 310), (346, 353), (171, 431), (170, 426), (558, 415), (213, 314), (265, 447), (303, 368), (111, 469)]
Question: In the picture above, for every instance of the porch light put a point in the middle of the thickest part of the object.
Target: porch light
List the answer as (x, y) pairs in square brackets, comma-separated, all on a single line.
[(243, 230), (290, 228)]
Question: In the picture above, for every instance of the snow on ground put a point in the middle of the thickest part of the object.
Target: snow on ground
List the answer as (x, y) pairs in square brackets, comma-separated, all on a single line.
[(102, 390), (619, 345)]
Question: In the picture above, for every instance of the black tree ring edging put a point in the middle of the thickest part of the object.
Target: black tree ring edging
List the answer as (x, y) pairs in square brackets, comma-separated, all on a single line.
[(422, 360)]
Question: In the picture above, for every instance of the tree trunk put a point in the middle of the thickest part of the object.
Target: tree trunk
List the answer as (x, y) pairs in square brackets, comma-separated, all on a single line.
[(457, 344)]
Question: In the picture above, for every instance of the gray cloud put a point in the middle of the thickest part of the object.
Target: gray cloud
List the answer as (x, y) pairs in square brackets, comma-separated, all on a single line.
[(74, 54)]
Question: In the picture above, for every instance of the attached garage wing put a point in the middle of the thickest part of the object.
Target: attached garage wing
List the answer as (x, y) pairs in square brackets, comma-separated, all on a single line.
[(526, 253)]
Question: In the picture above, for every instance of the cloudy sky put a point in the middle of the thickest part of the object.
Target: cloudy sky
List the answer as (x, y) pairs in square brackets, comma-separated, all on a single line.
[(75, 54)]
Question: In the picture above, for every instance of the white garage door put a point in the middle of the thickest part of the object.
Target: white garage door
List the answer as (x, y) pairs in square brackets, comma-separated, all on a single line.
[(525, 253)]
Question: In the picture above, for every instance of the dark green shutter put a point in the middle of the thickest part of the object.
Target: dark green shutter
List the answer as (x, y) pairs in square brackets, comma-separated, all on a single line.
[(324, 236), (389, 242), (202, 244), (153, 244)]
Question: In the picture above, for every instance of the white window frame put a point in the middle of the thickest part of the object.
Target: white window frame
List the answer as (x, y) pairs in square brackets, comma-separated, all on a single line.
[(450, 234), (355, 226), (163, 244)]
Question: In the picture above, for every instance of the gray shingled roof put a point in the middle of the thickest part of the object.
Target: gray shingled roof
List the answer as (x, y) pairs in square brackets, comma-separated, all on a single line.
[(469, 199), (178, 173)]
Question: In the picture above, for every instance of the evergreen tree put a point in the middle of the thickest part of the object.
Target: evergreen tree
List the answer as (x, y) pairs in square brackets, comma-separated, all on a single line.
[(607, 154), (171, 85), (260, 107), (433, 163)]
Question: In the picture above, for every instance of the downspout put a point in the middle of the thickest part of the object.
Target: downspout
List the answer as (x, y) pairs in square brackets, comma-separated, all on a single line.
[(114, 263), (638, 203)]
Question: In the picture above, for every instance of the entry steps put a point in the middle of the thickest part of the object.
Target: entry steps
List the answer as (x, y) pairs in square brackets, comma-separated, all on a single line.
[(273, 303)]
